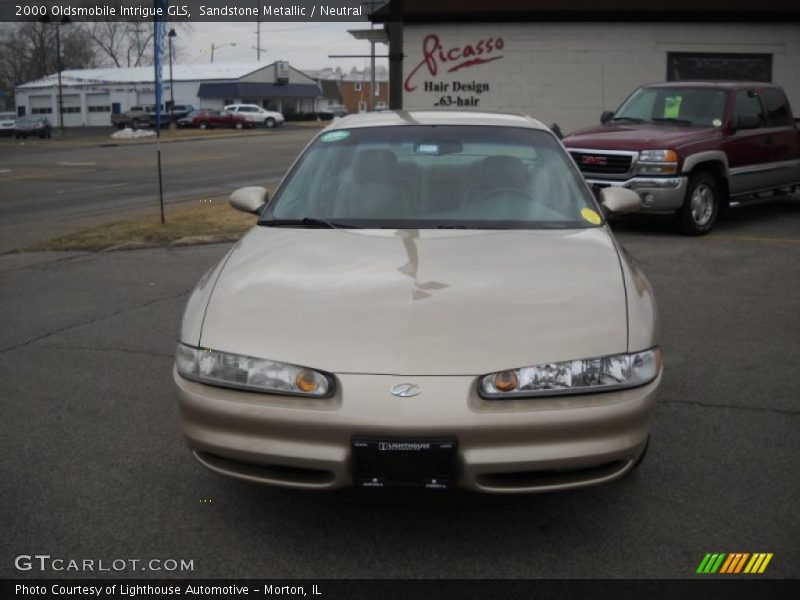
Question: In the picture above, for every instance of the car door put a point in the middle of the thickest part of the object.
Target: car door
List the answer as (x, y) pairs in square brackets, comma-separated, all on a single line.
[(783, 141), (749, 157)]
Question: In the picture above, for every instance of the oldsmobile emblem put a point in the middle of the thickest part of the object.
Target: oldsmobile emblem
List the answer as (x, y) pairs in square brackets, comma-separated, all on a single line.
[(405, 390)]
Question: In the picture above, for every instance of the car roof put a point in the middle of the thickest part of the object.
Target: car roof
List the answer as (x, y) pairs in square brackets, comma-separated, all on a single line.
[(392, 118), (714, 84)]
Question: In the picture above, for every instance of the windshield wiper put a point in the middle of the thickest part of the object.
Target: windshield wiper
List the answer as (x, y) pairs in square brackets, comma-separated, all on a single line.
[(671, 120), (307, 223), (629, 119)]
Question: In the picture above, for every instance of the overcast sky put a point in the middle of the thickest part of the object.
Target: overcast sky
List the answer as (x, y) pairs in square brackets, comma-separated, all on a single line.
[(304, 45)]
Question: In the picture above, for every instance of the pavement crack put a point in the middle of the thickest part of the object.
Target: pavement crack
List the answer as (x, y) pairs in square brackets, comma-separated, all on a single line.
[(777, 411), (93, 321)]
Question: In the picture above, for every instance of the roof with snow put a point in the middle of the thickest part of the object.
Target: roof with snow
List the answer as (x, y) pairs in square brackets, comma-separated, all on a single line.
[(201, 72)]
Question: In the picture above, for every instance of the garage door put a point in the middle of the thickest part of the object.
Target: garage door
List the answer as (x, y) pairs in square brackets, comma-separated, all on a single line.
[(42, 105), (72, 110), (98, 108)]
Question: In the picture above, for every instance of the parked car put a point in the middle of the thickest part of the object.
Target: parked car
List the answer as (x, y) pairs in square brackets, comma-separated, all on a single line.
[(693, 148), (33, 125), (253, 112), (430, 299), (145, 116), (8, 122), (209, 119), (179, 111)]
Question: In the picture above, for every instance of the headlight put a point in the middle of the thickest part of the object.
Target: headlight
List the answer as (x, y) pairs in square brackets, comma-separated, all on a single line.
[(658, 162), (248, 373), (583, 376)]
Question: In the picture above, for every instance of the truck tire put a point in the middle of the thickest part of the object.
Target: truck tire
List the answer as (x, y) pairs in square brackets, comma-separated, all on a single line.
[(700, 205)]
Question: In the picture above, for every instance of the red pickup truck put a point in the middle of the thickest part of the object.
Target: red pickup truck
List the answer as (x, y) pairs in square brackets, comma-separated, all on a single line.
[(694, 148)]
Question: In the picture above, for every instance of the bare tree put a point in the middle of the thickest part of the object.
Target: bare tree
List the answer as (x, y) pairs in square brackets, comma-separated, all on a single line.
[(124, 44), (28, 51)]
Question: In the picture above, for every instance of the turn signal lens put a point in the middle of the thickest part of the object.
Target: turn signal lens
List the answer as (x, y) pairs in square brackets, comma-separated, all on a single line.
[(306, 381), (505, 381)]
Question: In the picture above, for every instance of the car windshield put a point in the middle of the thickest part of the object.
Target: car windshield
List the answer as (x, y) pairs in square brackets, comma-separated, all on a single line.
[(29, 120), (434, 176), (8, 115), (674, 105)]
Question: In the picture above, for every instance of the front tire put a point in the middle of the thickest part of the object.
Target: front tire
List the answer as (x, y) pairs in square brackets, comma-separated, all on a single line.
[(239, 125), (203, 125), (269, 123), (700, 205)]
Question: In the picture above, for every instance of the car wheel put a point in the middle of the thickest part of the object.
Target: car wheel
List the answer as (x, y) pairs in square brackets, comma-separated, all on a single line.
[(239, 125), (203, 126), (135, 123), (269, 123), (700, 205)]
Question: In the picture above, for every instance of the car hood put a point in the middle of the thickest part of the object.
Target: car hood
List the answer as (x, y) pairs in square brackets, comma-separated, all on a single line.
[(416, 302), (637, 137)]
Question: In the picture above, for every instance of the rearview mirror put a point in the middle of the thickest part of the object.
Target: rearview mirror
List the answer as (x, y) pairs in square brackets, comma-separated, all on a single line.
[(618, 200), (748, 121), (606, 116), (249, 199)]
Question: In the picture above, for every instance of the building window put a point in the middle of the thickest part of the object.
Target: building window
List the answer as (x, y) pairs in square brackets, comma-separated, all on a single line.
[(42, 111), (100, 109), (228, 102), (357, 86), (377, 88), (71, 109), (362, 106), (688, 66)]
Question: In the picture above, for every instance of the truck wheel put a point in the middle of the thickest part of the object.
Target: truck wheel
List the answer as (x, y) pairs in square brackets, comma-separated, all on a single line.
[(269, 123), (701, 204)]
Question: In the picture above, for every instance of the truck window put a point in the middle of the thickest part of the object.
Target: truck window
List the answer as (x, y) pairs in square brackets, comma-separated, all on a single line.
[(777, 110), (747, 103)]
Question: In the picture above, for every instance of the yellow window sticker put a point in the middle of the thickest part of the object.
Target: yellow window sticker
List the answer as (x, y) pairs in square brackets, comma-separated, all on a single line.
[(591, 216), (672, 107)]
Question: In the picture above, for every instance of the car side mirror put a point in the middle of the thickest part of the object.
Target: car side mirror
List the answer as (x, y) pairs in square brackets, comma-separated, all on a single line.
[(606, 116), (617, 200), (249, 199), (748, 121)]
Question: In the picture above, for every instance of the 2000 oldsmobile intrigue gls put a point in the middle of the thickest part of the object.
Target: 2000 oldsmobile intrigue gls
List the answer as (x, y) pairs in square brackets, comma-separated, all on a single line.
[(432, 299)]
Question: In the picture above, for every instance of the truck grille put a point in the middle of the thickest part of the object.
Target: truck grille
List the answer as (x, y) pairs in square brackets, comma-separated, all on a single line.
[(602, 163)]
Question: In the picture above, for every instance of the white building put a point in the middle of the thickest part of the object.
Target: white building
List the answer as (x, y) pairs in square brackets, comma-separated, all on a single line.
[(569, 71), (90, 96)]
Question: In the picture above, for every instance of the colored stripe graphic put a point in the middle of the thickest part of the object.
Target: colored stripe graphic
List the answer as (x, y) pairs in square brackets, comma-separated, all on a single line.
[(711, 562), (734, 563)]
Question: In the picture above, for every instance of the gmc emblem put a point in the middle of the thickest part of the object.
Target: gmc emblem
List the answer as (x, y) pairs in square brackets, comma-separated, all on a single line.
[(594, 160)]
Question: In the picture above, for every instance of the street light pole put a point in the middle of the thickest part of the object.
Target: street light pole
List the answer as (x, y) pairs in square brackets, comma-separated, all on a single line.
[(215, 47)]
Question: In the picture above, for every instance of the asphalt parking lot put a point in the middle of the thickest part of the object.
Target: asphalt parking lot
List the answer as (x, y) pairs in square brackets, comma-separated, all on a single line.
[(93, 464)]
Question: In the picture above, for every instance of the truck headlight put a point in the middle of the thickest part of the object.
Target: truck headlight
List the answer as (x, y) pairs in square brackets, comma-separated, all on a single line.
[(583, 376), (658, 162), (249, 373)]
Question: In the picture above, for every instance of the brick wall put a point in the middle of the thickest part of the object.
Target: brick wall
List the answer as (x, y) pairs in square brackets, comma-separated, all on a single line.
[(351, 96), (568, 73)]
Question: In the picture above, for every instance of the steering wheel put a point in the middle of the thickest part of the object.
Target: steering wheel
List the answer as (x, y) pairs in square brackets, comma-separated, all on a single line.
[(516, 193)]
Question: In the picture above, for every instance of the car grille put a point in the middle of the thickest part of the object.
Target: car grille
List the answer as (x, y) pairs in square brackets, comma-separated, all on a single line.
[(602, 163)]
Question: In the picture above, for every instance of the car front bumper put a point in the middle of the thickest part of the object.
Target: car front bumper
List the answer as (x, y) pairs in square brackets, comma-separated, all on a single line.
[(524, 445), (658, 194)]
